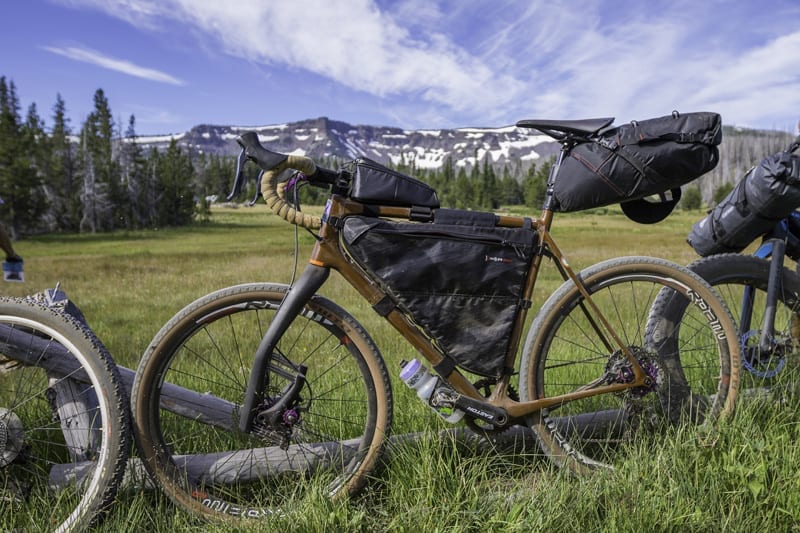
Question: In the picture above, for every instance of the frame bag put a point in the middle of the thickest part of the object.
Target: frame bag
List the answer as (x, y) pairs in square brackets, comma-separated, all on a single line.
[(636, 160), (768, 193), (459, 278)]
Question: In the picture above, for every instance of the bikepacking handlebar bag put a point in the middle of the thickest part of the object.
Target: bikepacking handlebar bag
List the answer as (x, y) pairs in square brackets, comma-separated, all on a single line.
[(630, 162), (768, 193), (459, 278)]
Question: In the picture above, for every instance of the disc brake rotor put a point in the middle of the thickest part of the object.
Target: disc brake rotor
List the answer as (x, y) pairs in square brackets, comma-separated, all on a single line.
[(764, 365)]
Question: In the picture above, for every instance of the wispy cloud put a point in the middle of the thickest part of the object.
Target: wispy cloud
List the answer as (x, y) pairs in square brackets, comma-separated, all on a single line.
[(93, 57), (358, 46), (635, 61), (473, 60)]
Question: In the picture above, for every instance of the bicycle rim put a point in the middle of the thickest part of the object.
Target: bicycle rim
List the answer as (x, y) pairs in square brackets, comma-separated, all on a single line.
[(64, 434), (742, 281), (326, 440), (693, 368)]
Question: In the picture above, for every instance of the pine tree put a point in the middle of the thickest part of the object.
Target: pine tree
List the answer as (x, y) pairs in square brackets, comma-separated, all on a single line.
[(62, 187), (215, 174), (94, 197), (134, 179), (9, 137), (151, 195), (32, 166), (9, 144), (20, 163), (535, 184), (103, 196), (176, 176), (448, 178), (464, 191), (510, 188), (489, 194)]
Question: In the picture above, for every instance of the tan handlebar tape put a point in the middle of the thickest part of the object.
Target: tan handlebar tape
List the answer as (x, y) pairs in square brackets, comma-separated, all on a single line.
[(273, 192)]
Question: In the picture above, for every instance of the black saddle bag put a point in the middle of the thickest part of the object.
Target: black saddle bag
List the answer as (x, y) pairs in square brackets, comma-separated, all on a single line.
[(459, 278), (767, 194), (639, 159)]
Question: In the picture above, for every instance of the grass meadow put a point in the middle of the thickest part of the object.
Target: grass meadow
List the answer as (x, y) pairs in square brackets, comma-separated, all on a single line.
[(745, 479)]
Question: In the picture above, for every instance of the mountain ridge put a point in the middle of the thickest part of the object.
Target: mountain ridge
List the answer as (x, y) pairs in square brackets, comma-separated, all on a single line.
[(324, 138), (427, 149)]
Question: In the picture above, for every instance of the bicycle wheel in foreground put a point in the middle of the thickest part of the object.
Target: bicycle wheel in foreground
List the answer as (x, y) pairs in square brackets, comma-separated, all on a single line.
[(742, 281), (693, 362), (64, 433), (322, 422)]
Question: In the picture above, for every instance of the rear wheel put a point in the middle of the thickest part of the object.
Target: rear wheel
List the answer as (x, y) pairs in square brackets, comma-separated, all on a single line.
[(692, 366), (321, 426), (64, 433)]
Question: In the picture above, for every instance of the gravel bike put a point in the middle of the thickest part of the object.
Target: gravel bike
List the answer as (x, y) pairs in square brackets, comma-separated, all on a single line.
[(255, 396), (64, 419)]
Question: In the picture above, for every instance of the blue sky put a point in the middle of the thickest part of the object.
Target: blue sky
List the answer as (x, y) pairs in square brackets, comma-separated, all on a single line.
[(415, 64)]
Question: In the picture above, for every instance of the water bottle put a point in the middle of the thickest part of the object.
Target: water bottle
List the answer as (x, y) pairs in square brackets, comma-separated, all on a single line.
[(416, 376)]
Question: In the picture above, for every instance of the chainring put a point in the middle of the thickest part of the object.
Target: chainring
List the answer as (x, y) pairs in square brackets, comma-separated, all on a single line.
[(488, 430)]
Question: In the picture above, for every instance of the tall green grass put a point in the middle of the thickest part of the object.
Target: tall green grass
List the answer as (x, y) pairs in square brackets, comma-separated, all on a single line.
[(744, 477)]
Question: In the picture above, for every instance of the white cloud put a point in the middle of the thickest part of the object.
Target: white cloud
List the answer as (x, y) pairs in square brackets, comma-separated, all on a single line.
[(495, 62), (354, 44), (643, 60), (93, 57)]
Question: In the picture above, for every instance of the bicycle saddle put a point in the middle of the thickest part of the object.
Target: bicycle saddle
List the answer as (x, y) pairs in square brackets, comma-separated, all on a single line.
[(575, 127)]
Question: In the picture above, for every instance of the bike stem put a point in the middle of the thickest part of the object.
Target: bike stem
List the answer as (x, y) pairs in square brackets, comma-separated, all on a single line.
[(299, 294)]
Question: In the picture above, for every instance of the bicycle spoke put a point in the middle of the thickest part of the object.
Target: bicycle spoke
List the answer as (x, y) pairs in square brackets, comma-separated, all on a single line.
[(317, 412)]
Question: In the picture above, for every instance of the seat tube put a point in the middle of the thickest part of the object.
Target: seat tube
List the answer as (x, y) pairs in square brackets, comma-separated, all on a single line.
[(300, 293)]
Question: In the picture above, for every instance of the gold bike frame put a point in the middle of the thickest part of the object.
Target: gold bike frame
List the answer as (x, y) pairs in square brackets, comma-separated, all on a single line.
[(327, 253)]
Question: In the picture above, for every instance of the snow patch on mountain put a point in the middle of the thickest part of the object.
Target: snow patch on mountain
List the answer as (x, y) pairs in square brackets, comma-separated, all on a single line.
[(324, 138)]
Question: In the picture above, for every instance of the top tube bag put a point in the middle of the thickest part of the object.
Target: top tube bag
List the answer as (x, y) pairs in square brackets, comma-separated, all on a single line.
[(373, 183), (636, 160), (459, 278)]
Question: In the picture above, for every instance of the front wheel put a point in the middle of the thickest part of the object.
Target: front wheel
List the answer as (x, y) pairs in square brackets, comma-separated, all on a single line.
[(64, 428), (320, 427), (693, 366), (742, 281)]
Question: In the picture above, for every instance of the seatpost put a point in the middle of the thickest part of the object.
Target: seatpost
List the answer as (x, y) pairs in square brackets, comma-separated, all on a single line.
[(551, 178)]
